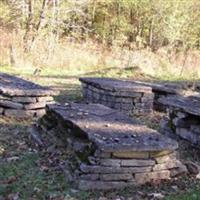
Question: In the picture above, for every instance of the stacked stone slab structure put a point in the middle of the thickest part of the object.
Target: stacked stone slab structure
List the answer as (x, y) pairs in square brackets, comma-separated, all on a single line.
[(23, 99), (109, 149), (118, 94), (183, 117), (161, 90)]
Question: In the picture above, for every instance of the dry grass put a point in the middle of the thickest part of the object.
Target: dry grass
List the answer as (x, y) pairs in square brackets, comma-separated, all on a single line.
[(71, 58)]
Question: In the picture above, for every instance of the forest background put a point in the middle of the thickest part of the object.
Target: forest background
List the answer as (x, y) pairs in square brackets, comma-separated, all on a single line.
[(159, 37)]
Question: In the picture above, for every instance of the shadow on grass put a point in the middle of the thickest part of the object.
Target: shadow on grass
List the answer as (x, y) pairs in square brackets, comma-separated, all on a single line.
[(24, 171), (68, 92)]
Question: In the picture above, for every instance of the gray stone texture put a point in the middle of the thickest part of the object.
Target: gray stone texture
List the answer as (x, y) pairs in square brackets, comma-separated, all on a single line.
[(23, 99), (113, 150), (184, 117), (118, 94)]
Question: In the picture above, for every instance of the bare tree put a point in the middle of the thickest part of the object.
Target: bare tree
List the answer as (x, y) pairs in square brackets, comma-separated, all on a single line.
[(31, 32)]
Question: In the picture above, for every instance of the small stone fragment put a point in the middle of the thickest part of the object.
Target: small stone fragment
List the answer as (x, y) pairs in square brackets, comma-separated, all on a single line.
[(24, 99), (137, 162), (19, 113), (10, 104), (143, 178), (131, 154), (33, 106), (116, 177), (45, 99), (110, 162), (192, 168)]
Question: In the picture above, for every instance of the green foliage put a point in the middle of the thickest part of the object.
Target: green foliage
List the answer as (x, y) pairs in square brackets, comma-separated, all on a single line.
[(152, 23)]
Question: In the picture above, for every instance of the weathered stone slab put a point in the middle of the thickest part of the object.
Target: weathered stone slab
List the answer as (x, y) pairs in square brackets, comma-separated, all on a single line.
[(131, 154), (188, 135), (169, 165), (32, 106), (40, 112), (165, 158), (10, 104), (110, 162), (113, 149), (143, 178), (110, 170), (3, 97), (1, 111), (90, 177), (19, 113), (195, 128), (45, 99), (101, 154), (186, 104), (103, 185), (160, 153), (103, 126), (115, 85), (24, 99), (137, 163), (116, 177), (15, 86), (163, 88), (181, 170)]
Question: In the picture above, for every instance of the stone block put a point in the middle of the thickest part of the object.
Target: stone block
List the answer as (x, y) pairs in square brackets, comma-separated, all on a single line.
[(101, 154), (116, 177), (110, 170), (1, 111), (126, 106), (126, 100), (143, 178), (40, 112), (168, 165), (181, 114), (131, 154), (45, 99), (137, 163), (181, 170), (160, 153), (195, 128), (127, 94), (91, 177), (96, 96), (33, 106), (24, 99), (180, 123), (10, 104), (3, 97), (188, 135), (117, 106), (165, 158), (19, 113), (110, 162), (103, 185)]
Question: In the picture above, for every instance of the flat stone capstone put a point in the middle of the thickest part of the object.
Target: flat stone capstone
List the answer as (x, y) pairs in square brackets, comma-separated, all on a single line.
[(123, 95), (183, 117), (113, 150), (20, 98)]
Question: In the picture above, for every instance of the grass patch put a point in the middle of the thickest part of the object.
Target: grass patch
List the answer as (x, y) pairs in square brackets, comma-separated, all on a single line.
[(192, 195), (26, 178)]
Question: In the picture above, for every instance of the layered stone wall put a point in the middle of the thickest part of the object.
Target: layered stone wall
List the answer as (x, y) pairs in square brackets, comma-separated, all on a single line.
[(23, 99), (121, 95), (162, 90), (109, 150), (183, 117)]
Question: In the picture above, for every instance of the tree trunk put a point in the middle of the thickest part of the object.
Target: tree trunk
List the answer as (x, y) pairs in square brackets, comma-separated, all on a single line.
[(29, 26)]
